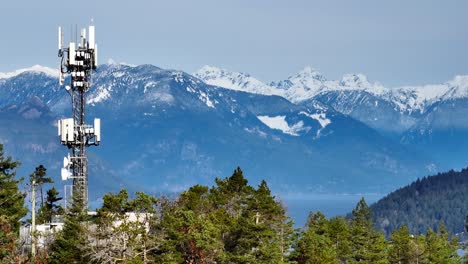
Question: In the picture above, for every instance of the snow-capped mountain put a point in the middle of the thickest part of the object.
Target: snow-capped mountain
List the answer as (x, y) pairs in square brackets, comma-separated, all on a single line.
[(164, 130), (34, 69), (235, 81), (389, 110)]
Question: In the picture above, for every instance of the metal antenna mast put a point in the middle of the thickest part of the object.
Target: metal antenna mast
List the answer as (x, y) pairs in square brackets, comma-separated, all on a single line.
[(78, 60)]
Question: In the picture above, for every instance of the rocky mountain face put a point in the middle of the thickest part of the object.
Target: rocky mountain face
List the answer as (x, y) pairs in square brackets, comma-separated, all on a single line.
[(165, 130), (353, 95), (428, 118)]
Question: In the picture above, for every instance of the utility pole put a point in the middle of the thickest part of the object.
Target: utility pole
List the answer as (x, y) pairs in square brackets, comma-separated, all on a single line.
[(33, 216), (78, 61)]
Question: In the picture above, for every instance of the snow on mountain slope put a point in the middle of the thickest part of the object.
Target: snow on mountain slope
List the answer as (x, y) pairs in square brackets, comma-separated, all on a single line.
[(36, 68), (458, 88), (320, 117), (234, 81), (280, 123), (416, 98), (309, 83), (190, 132)]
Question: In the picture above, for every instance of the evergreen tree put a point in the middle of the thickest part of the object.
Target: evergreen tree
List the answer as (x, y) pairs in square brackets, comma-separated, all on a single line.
[(228, 223), (190, 232), (418, 249), (12, 207), (424, 203), (263, 232), (400, 246), (314, 245), (274, 227), (230, 199), (254, 226), (439, 248), (39, 175), (378, 249), (69, 243), (340, 236), (367, 245), (50, 208)]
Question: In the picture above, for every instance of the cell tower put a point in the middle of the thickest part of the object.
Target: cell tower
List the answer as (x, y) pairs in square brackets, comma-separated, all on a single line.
[(78, 61)]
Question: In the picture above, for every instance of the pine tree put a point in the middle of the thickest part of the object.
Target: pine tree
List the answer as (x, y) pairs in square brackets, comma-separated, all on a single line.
[(190, 231), (378, 249), (418, 249), (230, 198), (40, 178), (400, 246), (314, 245), (69, 243), (50, 208), (361, 232), (367, 245), (340, 236), (263, 230), (439, 248), (12, 207)]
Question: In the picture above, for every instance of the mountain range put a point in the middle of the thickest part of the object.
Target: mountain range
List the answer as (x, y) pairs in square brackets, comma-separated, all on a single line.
[(164, 130), (428, 118)]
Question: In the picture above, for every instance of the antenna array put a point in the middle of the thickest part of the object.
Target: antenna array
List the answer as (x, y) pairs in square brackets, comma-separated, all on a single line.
[(78, 61)]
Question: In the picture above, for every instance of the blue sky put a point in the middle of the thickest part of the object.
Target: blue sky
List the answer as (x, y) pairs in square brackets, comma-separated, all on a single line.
[(393, 42)]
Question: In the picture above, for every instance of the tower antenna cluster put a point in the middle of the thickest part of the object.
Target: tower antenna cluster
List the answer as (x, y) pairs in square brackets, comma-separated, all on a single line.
[(77, 63)]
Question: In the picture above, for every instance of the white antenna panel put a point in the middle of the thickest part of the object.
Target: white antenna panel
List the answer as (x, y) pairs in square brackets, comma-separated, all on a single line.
[(71, 53), (63, 131), (91, 40), (65, 162), (97, 129), (60, 38), (59, 126), (65, 173), (67, 130)]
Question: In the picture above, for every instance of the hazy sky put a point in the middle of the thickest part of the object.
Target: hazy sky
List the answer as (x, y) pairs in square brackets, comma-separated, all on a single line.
[(393, 42)]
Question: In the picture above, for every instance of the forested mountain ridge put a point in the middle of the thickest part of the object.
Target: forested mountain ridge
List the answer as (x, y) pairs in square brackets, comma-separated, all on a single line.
[(425, 203), (185, 132)]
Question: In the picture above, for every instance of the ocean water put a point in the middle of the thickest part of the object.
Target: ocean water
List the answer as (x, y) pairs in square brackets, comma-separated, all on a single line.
[(300, 205)]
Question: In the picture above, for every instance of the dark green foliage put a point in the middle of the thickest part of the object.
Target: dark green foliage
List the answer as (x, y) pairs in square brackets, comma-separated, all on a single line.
[(340, 236), (440, 248), (315, 244), (50, 208), (355, 240), (12, 207), (39, 175), (367, 245), (68, 246), (425, 203), (229, 223), (400, 246)]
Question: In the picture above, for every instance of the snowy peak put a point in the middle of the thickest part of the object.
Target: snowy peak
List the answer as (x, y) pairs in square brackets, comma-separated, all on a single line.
[(234, 80), (304, 85), (36, 69), (457, 88), (309, 83), (355, 80), (306, 74)]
